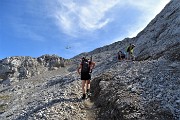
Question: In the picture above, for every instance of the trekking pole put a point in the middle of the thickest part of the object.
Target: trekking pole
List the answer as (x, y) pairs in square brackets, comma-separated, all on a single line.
[(91, 58), (91, 63)]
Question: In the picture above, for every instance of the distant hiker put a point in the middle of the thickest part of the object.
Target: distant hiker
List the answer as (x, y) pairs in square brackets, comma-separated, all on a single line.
[(130, 50), (84, 69), (121, 55)]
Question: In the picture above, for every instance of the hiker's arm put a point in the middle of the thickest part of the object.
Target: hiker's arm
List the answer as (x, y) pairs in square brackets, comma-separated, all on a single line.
[(93, 65)]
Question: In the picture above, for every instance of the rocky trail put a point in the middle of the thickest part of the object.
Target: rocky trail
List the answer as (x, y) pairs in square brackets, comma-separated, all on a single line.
[(54, 95)]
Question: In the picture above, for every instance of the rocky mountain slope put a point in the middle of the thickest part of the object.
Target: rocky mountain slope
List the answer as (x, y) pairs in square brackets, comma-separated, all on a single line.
[(50, 95), (17, 68), (145, 89)]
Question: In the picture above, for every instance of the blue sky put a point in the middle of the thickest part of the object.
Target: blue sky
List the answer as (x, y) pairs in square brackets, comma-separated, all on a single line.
[(69, 27)]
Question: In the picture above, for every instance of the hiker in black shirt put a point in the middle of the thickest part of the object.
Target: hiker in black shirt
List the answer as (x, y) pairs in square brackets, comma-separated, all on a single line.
[(84, 69)]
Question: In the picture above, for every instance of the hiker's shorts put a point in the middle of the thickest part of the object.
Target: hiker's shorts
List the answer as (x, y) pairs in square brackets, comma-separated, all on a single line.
[(85, 76)]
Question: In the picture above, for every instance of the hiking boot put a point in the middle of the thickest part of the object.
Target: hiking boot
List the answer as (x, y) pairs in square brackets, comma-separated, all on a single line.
[(88, 94), (88, 90), (84, 96)]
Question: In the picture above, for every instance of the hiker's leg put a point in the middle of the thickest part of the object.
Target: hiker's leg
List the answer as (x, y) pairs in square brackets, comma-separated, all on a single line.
[(83, 86), (88, 88), (87, 84), (131, 56), (128, 56)]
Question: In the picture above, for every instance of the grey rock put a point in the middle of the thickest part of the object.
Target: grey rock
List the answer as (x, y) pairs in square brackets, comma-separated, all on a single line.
[(25, 67)]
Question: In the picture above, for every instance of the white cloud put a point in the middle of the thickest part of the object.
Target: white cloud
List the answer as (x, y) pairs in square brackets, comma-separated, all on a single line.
[(77, 18), (74, 17), (64, 22), (148, 8), (93, 16)]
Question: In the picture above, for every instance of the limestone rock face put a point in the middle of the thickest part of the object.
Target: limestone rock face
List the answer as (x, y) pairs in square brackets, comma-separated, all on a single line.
[(16, 68), (137, 90), (161, 37)]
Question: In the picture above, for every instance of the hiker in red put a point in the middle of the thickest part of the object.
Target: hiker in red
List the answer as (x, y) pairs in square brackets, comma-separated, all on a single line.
[(121, 55), (84, 69)]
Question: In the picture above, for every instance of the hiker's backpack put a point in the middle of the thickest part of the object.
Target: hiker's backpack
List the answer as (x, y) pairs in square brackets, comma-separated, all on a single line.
[(128, 49), (85, 66), (121, 55)]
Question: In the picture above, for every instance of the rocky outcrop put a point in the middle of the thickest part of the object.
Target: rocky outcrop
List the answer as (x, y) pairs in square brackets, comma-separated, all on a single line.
[(138, 91), (17, 68), (161, 37)]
